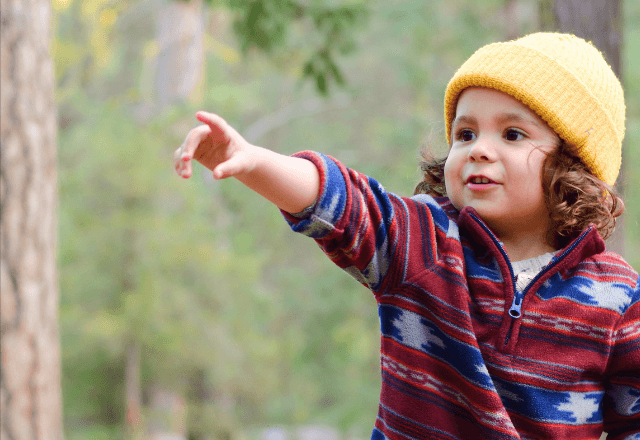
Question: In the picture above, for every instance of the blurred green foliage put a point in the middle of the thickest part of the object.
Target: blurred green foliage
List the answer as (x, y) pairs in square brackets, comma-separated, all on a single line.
[(329, 28), (247, 321)]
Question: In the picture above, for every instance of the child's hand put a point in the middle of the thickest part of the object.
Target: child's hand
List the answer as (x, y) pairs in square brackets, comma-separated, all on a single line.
[(291, 183), (215, 145)]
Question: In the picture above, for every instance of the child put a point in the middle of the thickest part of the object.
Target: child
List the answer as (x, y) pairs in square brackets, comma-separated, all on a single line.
[(502, 315)]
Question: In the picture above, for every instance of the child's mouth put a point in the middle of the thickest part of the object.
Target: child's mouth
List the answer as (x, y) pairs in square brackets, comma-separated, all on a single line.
[(480, 182)]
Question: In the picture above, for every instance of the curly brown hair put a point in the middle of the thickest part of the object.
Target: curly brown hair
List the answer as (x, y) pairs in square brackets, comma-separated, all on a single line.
[(575, 198)]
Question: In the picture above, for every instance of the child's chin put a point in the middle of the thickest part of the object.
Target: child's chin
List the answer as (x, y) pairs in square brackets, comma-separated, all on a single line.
[(484, 209)]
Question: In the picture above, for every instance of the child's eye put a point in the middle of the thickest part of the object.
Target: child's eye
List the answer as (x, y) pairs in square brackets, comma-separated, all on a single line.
[(513, 135), (466, 135)]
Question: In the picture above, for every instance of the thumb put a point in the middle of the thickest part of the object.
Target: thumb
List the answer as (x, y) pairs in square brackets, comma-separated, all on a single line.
[(236, 164)]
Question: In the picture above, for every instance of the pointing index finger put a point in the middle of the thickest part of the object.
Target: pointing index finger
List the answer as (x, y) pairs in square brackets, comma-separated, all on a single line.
[(209, 118), (215, 122)]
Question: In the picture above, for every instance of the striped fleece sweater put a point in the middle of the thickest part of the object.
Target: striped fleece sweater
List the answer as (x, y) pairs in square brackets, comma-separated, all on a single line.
[(464, 355)]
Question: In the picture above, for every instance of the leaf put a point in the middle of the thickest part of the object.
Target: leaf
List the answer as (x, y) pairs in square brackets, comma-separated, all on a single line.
[(321, 83), (308, 69), (335, 72)]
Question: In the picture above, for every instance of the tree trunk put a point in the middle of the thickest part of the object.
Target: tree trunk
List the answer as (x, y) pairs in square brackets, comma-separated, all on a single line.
[(134, 429), (512, 30), (30, 396), (168, 411), (546, 17), (598, 21), (180, 63)]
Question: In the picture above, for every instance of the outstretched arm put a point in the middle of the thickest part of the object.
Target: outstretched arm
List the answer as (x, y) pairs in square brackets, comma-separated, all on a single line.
[(290, 183)]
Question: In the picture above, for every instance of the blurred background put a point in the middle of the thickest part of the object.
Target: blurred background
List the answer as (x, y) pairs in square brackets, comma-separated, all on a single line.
[(187, 309)]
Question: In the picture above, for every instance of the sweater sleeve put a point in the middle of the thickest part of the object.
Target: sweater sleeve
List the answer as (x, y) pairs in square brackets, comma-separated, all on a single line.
[(354, 221), (622, 400)]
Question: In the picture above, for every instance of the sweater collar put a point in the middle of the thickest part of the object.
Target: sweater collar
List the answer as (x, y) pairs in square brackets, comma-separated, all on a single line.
[(589, 243)]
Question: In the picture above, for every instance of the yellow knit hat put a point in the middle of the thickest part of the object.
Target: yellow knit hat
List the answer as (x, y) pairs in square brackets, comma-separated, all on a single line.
[(562, 78)]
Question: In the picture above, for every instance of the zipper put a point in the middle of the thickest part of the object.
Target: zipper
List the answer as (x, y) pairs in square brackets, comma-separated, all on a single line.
[(515, 311), (517, 302), (516, 306)]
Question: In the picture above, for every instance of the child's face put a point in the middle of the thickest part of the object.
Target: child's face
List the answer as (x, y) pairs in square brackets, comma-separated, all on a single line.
[(494, 165)]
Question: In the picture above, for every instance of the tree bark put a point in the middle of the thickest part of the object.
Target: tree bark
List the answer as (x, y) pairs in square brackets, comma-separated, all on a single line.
[(168, 411), (598, 21), (512, 29), (546, 17), (180, 63), (135, 425), (30, 395)]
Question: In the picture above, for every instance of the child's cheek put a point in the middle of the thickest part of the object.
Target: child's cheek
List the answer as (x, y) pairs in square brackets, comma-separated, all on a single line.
[(451, 181)]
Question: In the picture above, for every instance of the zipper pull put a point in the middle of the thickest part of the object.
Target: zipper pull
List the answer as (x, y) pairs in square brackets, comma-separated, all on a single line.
[(516, 307)]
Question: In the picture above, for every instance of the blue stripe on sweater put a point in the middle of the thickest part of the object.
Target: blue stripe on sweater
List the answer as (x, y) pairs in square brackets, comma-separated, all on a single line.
[(332, 205), (543, 405), (440, 217), (415, 331), (386, 209), (582, 290), (475, 269), (328, 208), (626, 399)]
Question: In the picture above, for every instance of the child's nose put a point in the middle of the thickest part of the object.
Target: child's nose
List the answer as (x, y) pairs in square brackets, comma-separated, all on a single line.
[(482, 150)]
